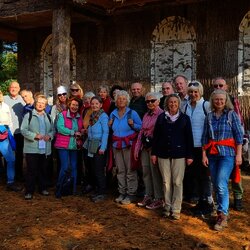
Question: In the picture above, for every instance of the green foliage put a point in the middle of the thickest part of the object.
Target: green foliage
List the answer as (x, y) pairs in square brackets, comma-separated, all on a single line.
[(8, 70)]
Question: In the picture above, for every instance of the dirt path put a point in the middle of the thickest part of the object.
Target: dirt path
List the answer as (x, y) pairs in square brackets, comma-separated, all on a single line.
[(77, 223)]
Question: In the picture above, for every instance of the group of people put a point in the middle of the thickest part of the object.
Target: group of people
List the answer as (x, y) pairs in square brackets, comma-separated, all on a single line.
[(171, 146)]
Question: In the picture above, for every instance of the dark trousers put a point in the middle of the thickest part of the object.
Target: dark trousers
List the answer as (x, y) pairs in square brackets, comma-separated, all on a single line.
[(98, 163), (88, 177), (19, 156), (36, 170)]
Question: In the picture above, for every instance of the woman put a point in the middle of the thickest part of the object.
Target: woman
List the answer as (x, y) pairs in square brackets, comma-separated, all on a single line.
[(151, 174), (76, 91), (69, 132), (5, 146), (197, 183), (61, 102), (37, 129), (172, 148), (112, 94), (124, 123), (96, 145), (222, 148), (103, 92)]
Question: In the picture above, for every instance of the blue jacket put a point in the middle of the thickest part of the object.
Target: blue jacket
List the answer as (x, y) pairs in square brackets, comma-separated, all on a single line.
[(120, 126)]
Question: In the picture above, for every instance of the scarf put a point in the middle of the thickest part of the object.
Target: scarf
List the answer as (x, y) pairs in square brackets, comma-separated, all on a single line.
[(172, 118), (94, 117)]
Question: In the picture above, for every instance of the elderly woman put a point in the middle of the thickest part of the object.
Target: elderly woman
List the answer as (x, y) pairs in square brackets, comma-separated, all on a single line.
[(151, 174), (37, 129), (61, 102), (96, 145), (69, 132), (222, 148), (197, 183), (103, 92), (5, 145), (124, 123), (172, 148)]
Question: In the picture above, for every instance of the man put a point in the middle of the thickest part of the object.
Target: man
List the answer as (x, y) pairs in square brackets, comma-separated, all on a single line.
[(167, 89), (181, 85), (220, 83), (16, 104), (28, 99), (137, 101)]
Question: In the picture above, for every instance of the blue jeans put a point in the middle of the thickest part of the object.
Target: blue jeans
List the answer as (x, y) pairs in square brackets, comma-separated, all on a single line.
[(68, 158), (9, 156), (220, 170)]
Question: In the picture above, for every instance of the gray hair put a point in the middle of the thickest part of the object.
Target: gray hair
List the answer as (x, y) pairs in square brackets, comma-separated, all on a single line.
[(89, 94), (167, 99), (122, 93), (228, 105), (106, 87), (195, 85), (156, 95)]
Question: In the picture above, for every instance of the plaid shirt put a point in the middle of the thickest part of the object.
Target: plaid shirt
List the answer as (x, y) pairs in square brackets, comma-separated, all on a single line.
[(222, 129)]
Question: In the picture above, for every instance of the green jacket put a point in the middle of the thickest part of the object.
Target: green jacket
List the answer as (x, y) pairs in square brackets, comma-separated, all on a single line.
[(30, 128)]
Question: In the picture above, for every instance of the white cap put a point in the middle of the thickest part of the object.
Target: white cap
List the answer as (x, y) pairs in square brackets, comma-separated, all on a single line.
[(61, 90)]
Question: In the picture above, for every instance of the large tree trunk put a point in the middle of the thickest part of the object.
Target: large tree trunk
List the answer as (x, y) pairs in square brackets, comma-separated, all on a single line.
[(61, 46)]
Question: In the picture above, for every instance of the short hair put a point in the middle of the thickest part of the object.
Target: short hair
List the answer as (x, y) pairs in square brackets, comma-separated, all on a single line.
[(184, 77), (98, 98), (15, 83), (113, 88), (122, 93), (167, 99), (106, 87), (26, 91), (69, 101), (228, 105), (88, 94), (156, 95), (218, 78), (136, 83), (195, 85), (40, 96)]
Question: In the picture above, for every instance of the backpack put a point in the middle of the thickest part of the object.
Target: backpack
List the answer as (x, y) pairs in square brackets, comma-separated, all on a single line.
[(203, 106), (129, 116), (30, 116), (65, 185)]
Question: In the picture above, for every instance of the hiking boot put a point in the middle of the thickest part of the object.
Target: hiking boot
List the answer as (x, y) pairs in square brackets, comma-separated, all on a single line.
[(155, 204), (98, 198), (13, 187), (128, 200), (28, 196), (146, 201), (176, 216), (166, 212), (221, 222), (45, 193), (120, 198), (238, 205)]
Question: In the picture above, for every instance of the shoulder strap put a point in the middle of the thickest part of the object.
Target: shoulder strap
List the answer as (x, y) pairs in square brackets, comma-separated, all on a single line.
[(129, 114), (204, 109), (185, 111), (230, 117), (30, 116)]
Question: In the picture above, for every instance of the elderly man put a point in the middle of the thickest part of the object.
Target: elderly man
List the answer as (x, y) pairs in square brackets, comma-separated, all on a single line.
[(28, 99), (16, 104), (181, 85), (137, 101), (167, 89), (220, 83)]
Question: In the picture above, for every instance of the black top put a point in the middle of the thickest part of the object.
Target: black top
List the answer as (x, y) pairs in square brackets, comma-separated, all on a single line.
[(139, 105)]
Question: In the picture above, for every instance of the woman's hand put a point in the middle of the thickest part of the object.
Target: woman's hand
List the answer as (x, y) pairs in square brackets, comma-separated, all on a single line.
[(205, 160), (101, 152), (154, 159), (110, 122), (238, 160), (46, 137), (130, 122), (78, 134), (38, 137), (136, 155), (189, 161)]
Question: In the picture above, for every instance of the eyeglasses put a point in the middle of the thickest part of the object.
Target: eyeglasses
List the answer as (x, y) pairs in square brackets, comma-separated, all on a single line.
[(63, 94), (218, 85), (151, 101), (74, 90), (195, 84)]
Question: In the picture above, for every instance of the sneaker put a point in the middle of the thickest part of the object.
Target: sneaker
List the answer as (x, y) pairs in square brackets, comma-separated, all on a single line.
[(98, 198), (176, 216), (166, 212), (13, 187), (28, 196), (221, 222), (155, 204), (120, 198), (238, 205), (146, 201), (45, 193), (128, 200)]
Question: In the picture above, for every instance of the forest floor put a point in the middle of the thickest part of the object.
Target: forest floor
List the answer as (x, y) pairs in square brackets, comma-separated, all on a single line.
[(74, 222)]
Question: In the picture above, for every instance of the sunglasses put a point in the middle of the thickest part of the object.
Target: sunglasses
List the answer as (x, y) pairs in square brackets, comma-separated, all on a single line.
[(74, 90), (63, 94), (218, 85), (195, 84), (151, 101)]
